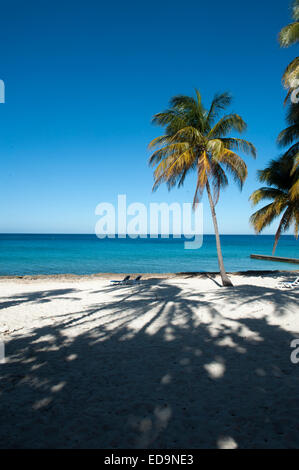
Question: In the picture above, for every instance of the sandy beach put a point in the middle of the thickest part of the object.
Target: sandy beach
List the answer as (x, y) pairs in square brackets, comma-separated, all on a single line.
[(175, 362)]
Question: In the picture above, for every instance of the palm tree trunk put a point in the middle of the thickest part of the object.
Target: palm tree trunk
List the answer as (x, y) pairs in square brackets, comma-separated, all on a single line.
[(277, 235), (283, 223), (225, 279)]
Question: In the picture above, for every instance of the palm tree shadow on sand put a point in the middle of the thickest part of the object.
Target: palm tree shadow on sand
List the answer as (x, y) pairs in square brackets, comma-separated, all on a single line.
[(154, 375)]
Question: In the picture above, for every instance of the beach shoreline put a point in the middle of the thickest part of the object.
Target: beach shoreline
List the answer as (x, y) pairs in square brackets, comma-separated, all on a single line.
[(145, 275)]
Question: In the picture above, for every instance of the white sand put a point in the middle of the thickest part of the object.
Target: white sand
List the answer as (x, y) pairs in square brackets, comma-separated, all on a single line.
[(170, 363)]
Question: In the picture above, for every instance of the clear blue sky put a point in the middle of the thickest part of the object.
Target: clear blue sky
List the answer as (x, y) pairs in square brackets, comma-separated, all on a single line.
[(83, 80)]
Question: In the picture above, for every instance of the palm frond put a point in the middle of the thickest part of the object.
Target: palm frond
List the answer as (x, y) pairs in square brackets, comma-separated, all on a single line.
[(183, 102), (171, 168), (189, 143), (291, 74), (189, 134), (204, 168), (226, 124), (235, 165), (264, 217), (289, 35), (296, 223), (232, 143), (158, 141), (296, 162), (219, 181), (295, 8), (288, 136), (199, 100), (169, 150), (294, 192), (266, 193), (216, 148), (219, 103)]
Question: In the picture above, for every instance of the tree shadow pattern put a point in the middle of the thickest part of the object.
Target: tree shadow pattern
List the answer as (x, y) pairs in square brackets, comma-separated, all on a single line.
[(176, 381)]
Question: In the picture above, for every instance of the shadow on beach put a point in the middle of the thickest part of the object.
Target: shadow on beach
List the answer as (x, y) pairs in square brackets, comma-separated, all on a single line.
[(173, 382), (41, 297)]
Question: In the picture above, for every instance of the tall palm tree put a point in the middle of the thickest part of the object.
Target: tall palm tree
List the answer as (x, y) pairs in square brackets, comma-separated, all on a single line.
[(281, 175), (195, 141), (288, 36)]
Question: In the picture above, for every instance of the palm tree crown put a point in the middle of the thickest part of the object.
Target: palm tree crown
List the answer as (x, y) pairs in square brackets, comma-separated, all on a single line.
[(193, 140)]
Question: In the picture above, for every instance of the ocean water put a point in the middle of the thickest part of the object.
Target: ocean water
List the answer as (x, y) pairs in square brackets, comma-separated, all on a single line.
[(86, 254)]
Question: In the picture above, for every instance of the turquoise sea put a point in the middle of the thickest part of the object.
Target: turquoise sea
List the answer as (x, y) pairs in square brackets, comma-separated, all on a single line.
[(86, 254)]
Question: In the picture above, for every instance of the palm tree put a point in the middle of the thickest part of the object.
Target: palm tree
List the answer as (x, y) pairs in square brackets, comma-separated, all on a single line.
[(290, 136), (281, 175), (288, 36), (194, 141)]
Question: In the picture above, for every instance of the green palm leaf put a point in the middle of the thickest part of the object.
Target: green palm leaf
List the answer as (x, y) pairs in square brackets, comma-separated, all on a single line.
[(227, 124), (219, 103), (289, 35), (288, 136), (291, 74), (232, 143)]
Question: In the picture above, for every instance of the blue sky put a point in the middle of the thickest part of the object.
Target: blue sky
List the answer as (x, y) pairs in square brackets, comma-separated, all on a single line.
[(83, 80)]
